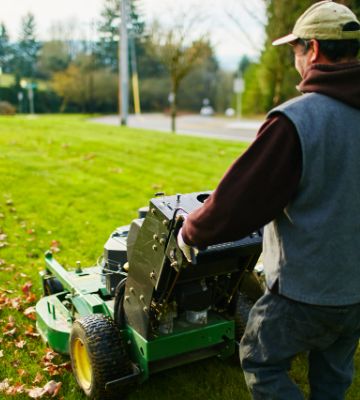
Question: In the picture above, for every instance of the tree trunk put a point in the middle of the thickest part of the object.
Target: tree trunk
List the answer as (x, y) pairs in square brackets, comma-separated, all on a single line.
[(173, 115), (173, 108)]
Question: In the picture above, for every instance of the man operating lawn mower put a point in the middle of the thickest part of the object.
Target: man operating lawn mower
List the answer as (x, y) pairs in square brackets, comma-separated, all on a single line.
[(301, 180)]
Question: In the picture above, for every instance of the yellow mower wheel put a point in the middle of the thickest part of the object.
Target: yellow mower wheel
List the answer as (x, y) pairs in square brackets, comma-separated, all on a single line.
[(82, 363), (98, 356)]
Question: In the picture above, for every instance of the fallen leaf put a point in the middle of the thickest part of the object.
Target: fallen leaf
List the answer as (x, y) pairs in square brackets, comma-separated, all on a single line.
[(52, 369), (20, 344), (10, 325), (30, 312), (4, 385), (10, 333), (66, 365), (31, 298), (38, 378), (16, 363), (15, 389), (27, 287), (55, 246), (30, 331), (6, 290), (22, 372), (15, 303), (52, 388), (36, 392), (49, 355)]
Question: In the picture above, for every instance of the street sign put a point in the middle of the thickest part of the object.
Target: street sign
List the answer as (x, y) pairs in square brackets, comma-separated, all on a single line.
[(239, 85)]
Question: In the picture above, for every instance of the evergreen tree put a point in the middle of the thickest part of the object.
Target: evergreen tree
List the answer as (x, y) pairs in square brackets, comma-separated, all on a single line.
[(275, 74), (5, 49), (27, 48), (106, 50)]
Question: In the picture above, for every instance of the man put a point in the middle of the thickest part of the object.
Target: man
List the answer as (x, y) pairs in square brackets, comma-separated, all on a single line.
[(300, 178)]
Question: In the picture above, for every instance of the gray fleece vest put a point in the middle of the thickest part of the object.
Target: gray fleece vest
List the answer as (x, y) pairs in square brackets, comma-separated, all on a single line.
[(313, 248)]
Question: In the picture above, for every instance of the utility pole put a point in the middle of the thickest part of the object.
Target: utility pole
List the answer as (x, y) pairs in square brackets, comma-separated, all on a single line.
[(239, 87), (123, 66)]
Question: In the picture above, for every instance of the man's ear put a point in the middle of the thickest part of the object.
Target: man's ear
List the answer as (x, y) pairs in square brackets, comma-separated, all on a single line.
[(315, 50)]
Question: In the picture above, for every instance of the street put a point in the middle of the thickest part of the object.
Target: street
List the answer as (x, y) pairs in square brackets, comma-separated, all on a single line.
[(194, 125)]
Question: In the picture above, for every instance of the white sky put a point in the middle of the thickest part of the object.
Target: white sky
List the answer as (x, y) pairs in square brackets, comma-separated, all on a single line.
[(229, 40)]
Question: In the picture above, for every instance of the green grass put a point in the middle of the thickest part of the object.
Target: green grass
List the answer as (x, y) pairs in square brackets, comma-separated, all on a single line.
[(65, 179), (7, 80)]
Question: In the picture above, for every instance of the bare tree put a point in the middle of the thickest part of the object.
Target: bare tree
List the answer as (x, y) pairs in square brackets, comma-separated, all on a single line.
[(244, 16), (180, 52)]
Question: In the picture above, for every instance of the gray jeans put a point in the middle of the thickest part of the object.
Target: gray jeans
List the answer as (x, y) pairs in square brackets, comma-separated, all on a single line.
[(279, 328)]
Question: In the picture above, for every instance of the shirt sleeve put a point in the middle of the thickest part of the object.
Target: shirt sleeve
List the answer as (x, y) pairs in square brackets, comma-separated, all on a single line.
[(253, 191)]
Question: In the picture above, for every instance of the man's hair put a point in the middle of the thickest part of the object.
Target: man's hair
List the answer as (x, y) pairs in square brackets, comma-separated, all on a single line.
[(336, 50)]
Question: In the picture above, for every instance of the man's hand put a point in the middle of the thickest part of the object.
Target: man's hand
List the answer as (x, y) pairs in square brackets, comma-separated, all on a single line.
[(188, 251)]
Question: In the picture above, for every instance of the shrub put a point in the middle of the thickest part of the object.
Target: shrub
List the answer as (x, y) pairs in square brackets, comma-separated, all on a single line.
[(6, 108)]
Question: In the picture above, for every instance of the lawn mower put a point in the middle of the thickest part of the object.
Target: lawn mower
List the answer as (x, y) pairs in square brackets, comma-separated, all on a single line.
[(143, 307)]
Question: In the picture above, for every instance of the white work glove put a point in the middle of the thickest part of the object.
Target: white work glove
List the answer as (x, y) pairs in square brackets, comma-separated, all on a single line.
[(188, 251)]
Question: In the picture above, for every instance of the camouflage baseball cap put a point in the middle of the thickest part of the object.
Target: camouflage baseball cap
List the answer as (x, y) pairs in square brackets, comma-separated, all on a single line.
[(324, 20)]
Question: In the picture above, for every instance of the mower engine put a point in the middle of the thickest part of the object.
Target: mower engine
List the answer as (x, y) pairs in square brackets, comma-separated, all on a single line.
[(163, 287)]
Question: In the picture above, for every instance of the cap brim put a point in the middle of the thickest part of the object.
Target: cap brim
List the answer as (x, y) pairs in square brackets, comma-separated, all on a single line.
[(285, 39)]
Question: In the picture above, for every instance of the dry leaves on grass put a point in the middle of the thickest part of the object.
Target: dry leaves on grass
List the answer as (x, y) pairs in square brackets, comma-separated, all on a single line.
[(51, 367), (54, 246), (3, 237), (31, 332), (17, 303), (20, 344), (30, 313), (9, 329), (26, 288), (51, 388)]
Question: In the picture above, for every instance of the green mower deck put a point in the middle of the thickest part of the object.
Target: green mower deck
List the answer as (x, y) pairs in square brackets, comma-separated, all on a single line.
[(84, 294)]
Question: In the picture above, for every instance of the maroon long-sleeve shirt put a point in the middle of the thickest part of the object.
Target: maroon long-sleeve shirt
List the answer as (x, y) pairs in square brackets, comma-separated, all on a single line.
[(260, 183)]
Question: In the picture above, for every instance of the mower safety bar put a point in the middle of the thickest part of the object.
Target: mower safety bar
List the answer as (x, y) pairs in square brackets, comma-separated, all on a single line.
[(125, 380), (61, 274)]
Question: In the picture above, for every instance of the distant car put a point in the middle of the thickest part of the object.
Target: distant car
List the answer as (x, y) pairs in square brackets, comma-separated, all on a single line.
[(229, 112), (206, 111)]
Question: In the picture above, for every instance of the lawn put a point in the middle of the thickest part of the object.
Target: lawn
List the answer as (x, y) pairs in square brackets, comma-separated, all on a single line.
[(67, 183)]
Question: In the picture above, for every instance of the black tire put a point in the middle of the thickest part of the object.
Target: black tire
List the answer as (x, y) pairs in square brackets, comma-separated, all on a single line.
[(96, 341), (52, 285)]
